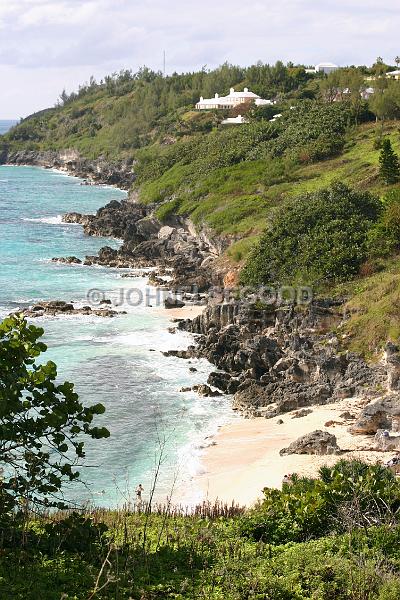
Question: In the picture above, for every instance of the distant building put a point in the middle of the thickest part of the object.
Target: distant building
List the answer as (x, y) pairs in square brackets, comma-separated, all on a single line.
[(239, 120), (232, 100), (393, 74), (275, 117), (323, 68), (367, 93)]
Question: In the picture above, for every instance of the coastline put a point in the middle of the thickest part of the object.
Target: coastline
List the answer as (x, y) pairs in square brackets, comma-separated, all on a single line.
[(243, 457), (165, 319), (68, 173)]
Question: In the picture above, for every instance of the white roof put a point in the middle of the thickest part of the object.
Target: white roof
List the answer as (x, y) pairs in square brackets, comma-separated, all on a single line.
[(238, 119), (209, 101), (262, 102), (326, 64), (245, 94), (397, 72)]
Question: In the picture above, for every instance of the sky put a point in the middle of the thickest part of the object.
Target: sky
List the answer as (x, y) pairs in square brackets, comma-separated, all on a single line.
[(49, 45)]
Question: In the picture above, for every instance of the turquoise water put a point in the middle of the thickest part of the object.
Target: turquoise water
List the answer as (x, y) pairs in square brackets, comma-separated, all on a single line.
[(114, 361), (6, 125)]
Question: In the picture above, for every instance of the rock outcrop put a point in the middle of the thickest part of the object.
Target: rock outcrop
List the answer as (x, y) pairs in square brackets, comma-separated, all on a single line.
[(59, 307), (118, 173), (318, 442), (174, 249), (279, 359), (386, 442), (378, 414)]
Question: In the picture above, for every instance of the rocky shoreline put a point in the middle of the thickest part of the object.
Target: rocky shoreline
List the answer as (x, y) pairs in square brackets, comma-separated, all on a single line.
[(100, 171), (273, 359), (55, 308)]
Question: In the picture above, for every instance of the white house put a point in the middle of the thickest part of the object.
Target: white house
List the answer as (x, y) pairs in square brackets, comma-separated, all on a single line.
[(239, 120), (326, 68), (262, 102), (230, 101), (393, 74), (367, 93), (323, 68)]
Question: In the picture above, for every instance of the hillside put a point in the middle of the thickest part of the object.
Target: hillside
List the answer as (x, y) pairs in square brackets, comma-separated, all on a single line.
[(310, 199), (231, 181)]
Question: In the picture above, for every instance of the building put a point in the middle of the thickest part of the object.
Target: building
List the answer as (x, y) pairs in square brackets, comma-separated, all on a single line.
[(393, 74), (367, 93), (232, 100), (323, 68), (239, 120)]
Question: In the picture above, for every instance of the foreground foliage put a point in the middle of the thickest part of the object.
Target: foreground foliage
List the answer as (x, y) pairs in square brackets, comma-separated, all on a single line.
[(120, 555), (42, 423)]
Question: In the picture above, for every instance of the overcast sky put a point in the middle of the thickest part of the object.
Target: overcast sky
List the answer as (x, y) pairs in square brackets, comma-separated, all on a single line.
[(46, 45)]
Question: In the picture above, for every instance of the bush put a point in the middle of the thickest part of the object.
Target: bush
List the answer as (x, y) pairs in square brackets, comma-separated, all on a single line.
[(348, 495), (384, 237), (316, 237)]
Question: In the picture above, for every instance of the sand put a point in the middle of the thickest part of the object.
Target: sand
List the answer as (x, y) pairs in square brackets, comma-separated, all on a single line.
[(245, 455), (190, 311)]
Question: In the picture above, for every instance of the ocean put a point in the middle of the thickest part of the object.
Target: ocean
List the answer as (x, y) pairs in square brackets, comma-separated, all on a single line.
[(6, 125), (114, 361)]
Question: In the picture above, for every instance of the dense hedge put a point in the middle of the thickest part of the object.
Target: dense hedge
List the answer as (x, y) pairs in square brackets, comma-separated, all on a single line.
[(315, 237)]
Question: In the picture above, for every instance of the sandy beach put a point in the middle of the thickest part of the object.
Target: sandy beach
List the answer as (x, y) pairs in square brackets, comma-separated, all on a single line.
[(243, 457), (190, 311)]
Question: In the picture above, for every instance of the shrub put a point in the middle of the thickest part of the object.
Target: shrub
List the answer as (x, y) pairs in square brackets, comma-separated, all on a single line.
[(384, 237), (317, 237), (348, 495)]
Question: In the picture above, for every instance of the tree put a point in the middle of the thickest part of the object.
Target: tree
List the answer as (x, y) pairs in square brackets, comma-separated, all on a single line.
[(397, 61), (385, 102), (42, 423), (389, 164)]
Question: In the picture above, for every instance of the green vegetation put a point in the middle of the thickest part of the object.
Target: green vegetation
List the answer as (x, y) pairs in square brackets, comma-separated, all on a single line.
[(326, 231), (312, 197), (236, 180), (41, 423), (333, 537), (127, 111), (389, 164)]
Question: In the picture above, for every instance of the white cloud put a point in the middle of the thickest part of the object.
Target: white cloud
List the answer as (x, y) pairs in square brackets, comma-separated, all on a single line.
[(61, 42)]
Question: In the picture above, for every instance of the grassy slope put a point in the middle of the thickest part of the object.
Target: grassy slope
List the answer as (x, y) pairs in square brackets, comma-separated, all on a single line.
[(236, 200), (199, 558), (78, 126)]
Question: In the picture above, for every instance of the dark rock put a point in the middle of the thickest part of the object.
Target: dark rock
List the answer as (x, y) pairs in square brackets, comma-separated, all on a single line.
[(205, 390), (377, 415), (302, 413), (392, 355), (318, 442), (170, 302), (347, 416), (60, 307), (118, 173), (250, 397), (224, 382), (69, 260)]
